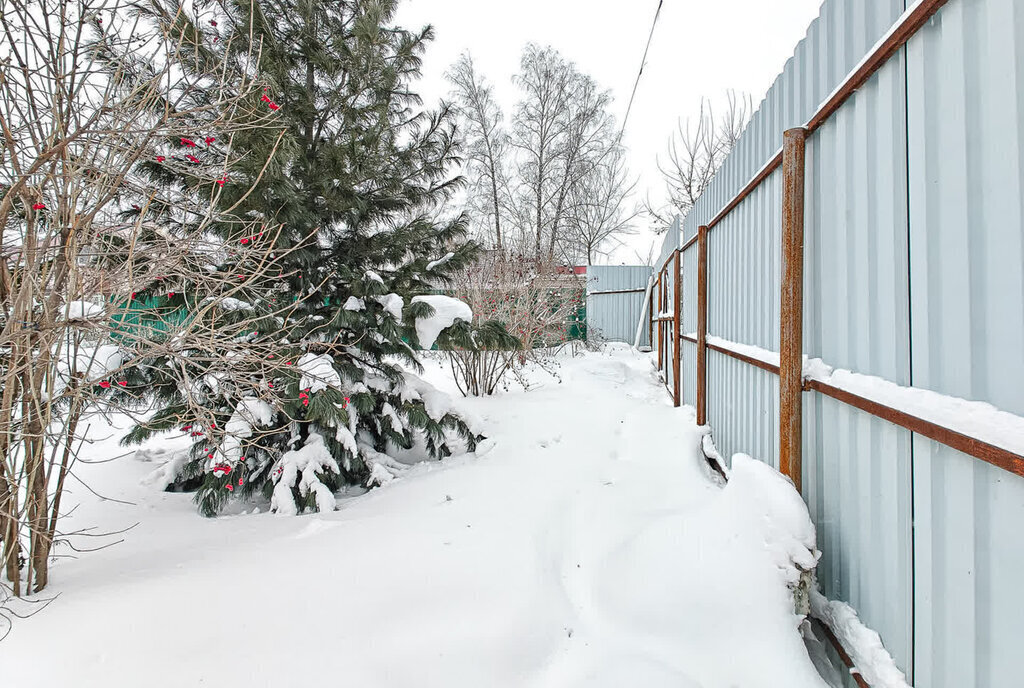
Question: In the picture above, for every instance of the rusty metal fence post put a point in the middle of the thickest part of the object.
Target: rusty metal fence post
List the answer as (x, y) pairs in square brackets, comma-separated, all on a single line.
[(702, 325), (667, 325), (791, 325), (650, 314), (661, 309), (677, 288)]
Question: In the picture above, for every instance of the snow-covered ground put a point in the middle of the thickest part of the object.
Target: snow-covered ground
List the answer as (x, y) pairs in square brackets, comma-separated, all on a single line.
[(586, 545)]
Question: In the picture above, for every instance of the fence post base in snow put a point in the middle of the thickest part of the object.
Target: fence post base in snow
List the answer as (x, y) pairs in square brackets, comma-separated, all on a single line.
[(791, 325)]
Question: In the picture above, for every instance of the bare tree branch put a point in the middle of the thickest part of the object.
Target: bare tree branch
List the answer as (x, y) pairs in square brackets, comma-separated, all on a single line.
[(695, 153)]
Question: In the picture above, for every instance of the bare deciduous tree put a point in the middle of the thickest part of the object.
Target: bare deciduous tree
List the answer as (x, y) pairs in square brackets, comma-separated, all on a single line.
[(527, 185), (599, 210), (531, 189), (583, 152), (487, 145), (695, 153), (539, 127), (105, 103)]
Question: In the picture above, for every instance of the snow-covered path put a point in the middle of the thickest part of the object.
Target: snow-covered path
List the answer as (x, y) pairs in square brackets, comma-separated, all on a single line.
[(587, 548)]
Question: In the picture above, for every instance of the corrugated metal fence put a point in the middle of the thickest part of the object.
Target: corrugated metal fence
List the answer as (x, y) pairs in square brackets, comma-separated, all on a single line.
[(912, 271), (615, 296)]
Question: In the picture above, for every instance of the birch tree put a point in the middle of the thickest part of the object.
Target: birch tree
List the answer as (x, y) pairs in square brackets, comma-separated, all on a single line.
[(539, 131), (525, 182), (585, 151), (486, 147), (600, 210)]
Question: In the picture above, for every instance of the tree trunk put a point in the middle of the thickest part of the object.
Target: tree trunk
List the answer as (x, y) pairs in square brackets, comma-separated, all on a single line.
[(10, 525), (311, 124), (35, 466), (497, 215), (555, 222), (540, 203), (9, 531), (74, 415)]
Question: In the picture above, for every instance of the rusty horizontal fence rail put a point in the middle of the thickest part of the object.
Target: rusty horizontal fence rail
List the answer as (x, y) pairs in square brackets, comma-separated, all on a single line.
[(639, 290), (972, 446), (902, 31), (759, 177), (750, 360), (840, 650), (664, 265)]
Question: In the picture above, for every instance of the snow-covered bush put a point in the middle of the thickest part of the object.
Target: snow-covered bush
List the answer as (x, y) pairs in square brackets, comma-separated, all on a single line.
[(479, 355), (533, 301)]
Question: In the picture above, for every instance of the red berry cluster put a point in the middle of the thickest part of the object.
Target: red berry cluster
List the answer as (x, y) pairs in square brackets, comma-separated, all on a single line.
[(253, 238), (270, 104), (189, 143)]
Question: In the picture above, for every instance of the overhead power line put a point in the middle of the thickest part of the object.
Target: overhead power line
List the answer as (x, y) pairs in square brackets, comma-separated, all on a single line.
[(643, 63)]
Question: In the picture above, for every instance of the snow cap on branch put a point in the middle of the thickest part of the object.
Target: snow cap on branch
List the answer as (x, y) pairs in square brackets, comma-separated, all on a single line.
[(306, 461), (318, 373), (446, 311)]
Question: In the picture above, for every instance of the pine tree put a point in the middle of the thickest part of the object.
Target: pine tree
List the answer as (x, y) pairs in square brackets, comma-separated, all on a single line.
[(357, 180)]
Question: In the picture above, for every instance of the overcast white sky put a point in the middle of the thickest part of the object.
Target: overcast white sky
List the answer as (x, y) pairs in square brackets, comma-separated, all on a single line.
[(701, 48)]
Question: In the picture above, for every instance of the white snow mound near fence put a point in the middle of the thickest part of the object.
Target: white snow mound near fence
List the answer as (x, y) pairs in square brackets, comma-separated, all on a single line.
[(864, 645), (769, 499), (768, 503)]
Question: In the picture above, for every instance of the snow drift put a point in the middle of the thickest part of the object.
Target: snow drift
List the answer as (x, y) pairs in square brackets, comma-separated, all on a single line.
[(587, 548)]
